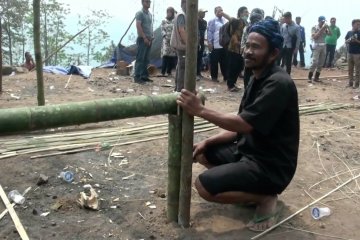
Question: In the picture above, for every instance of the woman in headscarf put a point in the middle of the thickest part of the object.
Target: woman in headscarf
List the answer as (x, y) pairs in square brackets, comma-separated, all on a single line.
[(168, 54)]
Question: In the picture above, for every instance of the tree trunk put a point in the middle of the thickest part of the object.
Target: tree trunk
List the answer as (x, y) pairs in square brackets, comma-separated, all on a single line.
[(188, 120), (56, 43), (38, 59), (35, 118), (1, 62), (88, 49), (10, 44), (46, 49)]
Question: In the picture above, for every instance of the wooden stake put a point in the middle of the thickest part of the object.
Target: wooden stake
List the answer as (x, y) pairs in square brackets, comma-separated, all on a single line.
[(188, 120), (304, 208), (15, 218), (174, 167), (68, 81)]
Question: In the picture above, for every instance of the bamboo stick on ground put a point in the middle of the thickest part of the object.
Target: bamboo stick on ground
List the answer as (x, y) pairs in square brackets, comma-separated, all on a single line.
[(15, 218)]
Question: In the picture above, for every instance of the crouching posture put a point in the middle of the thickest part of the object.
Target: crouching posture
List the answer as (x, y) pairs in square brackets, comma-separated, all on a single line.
[(254, 158)]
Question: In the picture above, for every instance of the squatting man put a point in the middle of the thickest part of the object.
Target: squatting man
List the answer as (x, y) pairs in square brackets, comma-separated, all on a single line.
[(254, 158)]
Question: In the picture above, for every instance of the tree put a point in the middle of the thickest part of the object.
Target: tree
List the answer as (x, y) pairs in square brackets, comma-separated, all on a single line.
[(14, 13), (38, 58), (94, 35), (53, 29)]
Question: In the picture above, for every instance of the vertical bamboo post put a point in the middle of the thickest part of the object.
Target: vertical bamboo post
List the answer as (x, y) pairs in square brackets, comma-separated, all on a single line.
[(38, 60), (187, 120), (174, 166)]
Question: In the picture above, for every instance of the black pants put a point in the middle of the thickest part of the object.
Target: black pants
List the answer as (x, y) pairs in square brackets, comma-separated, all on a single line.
[(329, 57), (301, 53), (286, 58), (168, 63), (218, 56), (234, 68)]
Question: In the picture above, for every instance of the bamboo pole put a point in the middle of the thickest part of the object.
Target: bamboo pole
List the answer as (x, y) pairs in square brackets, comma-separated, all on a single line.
[(174, 167), (187, 120), (25, 119), (38, 58), (304, 208), (15, 218)]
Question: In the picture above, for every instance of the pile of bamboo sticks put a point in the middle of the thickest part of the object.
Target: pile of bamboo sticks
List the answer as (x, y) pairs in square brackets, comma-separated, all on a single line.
[(86, 140)]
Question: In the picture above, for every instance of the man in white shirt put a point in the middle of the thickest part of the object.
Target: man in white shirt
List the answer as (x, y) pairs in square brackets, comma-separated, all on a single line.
[(218, 53)]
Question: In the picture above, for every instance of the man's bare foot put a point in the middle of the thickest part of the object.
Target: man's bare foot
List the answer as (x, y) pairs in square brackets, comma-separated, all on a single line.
[(266, 214)]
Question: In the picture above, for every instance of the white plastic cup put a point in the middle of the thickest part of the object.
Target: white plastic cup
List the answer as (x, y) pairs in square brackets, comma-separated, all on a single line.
[(16, 197), (318, 213), (67, 176)]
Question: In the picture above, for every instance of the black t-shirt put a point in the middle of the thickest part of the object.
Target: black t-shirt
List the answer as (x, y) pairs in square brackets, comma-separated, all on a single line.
[(270, 106), (354, 48), (202, 24)]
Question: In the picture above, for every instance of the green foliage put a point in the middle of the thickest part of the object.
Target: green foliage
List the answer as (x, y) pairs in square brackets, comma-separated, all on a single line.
[(94, 35), (14, 14), (105, 53)]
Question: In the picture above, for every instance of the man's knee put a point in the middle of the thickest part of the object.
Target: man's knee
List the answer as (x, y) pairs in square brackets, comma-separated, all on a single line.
[(202, 191)]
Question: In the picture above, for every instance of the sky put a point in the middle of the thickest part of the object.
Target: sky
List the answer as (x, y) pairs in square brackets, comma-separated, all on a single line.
[(123, 11)]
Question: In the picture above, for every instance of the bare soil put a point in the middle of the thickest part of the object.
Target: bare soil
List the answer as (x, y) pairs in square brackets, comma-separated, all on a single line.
[(329, 147)]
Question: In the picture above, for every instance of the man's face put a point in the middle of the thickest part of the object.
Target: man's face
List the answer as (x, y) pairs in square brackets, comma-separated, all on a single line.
[(298, 21), (219, 12), (333, 22), (287, 20), (356, 26), (201, 14), (244, 14), (146, 4), (257, 54)]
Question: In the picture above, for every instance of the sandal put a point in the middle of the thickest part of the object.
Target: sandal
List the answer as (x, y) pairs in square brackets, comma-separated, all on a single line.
[(265, 218)]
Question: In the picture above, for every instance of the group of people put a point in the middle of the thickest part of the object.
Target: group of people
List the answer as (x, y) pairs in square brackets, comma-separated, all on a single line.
[(254, 158)]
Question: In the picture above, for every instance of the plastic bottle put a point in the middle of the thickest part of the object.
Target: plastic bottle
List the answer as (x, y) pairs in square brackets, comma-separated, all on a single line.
[(16, 197), (67, 176)]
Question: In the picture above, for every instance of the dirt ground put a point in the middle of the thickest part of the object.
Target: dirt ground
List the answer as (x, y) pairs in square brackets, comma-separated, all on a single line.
[(329, 155)]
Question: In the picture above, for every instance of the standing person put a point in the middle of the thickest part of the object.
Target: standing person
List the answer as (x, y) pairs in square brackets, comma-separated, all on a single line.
[(318, 34), (143, 42), (202, 26), (301, 46), (29, 62), (291, 34), (331, 41), (255, 157), (217, 52), (352, 40), (167, 52), (178, 42), (235, 61), (256, 16)]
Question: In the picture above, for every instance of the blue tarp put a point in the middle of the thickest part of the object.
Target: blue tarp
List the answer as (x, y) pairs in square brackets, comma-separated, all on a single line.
[(84, 71)]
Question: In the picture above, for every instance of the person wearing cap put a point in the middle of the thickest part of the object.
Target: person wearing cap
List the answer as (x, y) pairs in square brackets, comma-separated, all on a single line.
[(202, 26), (318, 34), (254, 158), (256, 15), (301, 46), (331, 42), (217, 52), (291, 34)]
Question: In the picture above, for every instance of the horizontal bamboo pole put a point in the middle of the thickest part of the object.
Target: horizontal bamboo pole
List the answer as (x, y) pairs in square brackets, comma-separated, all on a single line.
[(34, 118)]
